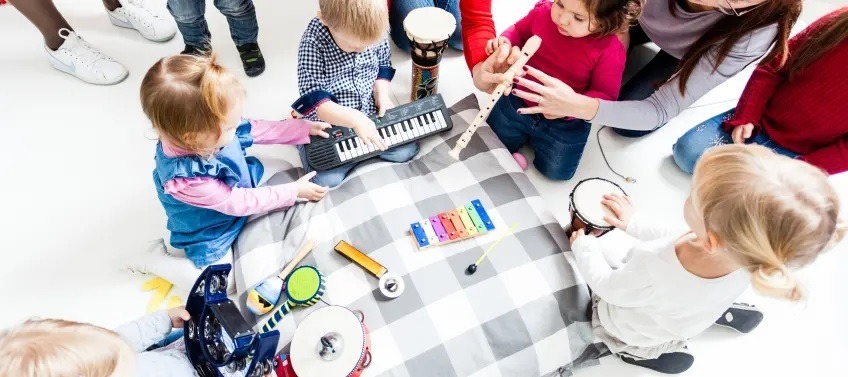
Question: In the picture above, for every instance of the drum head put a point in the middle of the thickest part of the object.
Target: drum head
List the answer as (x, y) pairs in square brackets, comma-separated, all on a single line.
[(303, 284), (306, 343), (429, 24), (586, 200)]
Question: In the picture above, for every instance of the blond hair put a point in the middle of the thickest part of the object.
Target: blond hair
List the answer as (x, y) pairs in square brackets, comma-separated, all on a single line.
[(773, 212), (188, 96), (367, 20), (58, 348)]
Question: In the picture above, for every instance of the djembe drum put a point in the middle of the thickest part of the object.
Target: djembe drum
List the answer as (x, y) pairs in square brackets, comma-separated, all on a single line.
[(428, 30), (587, 212)]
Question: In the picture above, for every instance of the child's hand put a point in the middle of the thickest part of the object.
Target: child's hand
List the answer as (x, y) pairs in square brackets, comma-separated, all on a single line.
[(742, 133), (621, 206), (383, 103), (367, 131), (577, 234), (382, 89), (308, 190), (178, 316), (317, 129), (493, 44)]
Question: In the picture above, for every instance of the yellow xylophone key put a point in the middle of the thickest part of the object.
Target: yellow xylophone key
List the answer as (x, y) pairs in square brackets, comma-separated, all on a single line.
[(466, 220)]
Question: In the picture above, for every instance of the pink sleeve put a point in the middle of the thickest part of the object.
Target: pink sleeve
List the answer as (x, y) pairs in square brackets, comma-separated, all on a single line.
[(521, 31), (288, 131), (205, 192), (608, 72)]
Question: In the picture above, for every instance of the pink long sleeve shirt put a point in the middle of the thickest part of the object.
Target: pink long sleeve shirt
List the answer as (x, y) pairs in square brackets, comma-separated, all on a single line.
[(208, 192)]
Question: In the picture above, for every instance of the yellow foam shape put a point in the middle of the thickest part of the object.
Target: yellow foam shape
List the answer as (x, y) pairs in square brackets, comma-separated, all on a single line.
[(174, 301), (160, 288)]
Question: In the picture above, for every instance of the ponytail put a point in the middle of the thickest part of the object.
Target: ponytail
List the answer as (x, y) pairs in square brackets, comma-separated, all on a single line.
[(188, 97), (613, 16), (773, 213)]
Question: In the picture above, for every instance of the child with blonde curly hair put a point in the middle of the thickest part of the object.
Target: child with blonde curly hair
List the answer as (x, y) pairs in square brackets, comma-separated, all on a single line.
[(752, 217)]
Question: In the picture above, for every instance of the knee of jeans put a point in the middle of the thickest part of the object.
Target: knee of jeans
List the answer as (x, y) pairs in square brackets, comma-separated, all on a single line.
[(185, 14), (685, 154), (234, 8), (328, 179), (402, 154), (400, 40), (556, 172)]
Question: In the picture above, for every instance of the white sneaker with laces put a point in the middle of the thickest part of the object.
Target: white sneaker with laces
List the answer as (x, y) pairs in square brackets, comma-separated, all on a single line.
[(78, 58), (138, 15)]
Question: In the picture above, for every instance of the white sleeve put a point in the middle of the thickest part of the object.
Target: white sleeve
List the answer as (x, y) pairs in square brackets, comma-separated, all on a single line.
[(645, 228), (146, 331), (627, 286)]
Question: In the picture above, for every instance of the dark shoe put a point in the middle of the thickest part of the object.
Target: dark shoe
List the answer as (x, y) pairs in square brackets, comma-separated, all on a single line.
[(197, 51), (251, 59), (668, 363), (741, 317)]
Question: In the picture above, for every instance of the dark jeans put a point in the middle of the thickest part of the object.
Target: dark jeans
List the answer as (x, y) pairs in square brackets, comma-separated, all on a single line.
[(558, 143), (401, 8), (648, 79), (191, 20)]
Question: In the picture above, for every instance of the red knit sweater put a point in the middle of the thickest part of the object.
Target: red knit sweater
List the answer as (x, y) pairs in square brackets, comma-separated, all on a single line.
[(809, 114), (477, 29)]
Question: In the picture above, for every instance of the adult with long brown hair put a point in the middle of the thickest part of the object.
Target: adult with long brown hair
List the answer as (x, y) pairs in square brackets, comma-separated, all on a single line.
[(703, 42), (795, 106)]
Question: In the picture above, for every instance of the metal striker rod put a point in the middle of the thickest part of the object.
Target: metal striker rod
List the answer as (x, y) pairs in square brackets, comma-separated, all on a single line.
[(473, 268), (530, 48)]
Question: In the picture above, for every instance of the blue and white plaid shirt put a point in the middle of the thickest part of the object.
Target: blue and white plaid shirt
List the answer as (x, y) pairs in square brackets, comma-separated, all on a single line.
[(326, 73)]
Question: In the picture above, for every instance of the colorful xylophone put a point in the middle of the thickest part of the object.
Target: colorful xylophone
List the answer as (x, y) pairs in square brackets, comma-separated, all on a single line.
[(470, 220)]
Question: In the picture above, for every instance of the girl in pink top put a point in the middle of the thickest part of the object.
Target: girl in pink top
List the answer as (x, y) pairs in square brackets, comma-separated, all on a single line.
[(579, 47), (203, 177)]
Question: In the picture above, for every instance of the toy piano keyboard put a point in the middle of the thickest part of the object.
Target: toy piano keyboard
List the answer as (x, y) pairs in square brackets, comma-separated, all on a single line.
[(470, 220)]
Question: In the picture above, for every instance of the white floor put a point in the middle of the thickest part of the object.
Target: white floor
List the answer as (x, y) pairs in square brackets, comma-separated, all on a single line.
[(77, 197)]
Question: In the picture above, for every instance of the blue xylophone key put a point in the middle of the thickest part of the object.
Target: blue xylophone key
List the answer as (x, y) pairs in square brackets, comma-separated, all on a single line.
[(483, 215), (420, 235)]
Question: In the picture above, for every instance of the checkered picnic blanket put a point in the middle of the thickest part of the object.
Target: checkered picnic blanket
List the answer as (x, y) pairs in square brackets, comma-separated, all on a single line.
[(524, 313)]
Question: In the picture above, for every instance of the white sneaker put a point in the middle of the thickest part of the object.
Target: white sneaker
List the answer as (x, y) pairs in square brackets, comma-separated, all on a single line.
[(138, 15), (78, 58)]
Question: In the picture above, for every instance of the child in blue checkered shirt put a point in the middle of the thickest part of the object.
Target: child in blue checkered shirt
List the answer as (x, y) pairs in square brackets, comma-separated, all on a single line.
[(343, 72)]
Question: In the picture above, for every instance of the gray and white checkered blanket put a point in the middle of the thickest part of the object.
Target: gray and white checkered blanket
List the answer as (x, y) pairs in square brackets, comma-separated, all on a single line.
[(524, 313)]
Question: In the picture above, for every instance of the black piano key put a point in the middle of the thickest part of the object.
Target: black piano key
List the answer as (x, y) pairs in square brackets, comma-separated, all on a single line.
[(394, 129), (403, 126), (347, 144), (354, 142), (432, 118)]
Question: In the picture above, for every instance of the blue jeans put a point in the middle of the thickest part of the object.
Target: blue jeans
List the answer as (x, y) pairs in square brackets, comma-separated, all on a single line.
[(191, 20), (401, 8), (689, 147), (558, 143), (648, 79), (335, 176)]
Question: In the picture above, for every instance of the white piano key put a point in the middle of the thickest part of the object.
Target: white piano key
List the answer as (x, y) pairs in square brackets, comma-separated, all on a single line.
[(418, 130), (340, 152), (441, 119)]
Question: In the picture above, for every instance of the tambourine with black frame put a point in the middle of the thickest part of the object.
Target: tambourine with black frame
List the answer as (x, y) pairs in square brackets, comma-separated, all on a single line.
[(219, 341)]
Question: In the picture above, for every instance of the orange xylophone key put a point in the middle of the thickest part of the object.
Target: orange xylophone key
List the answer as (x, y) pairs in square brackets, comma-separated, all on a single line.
[(444, 218)]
